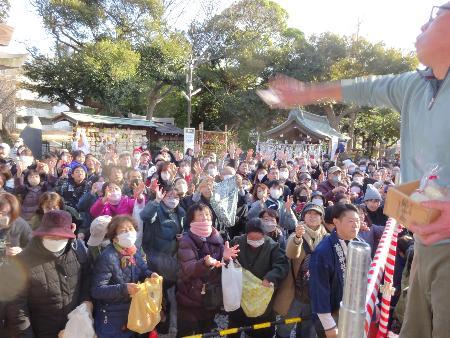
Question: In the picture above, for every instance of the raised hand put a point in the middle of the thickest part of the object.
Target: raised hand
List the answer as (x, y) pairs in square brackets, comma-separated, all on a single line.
[(65, 172), (138, 190), (299, 230), (197, 168), (289, 203), (159, 194), (230, 253)]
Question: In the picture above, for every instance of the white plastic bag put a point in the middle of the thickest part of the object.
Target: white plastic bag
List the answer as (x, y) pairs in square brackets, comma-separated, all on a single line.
[(232, 286), (80, 324)]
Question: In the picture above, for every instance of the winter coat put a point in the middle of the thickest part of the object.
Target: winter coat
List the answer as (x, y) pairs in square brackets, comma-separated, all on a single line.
[(161, 226), (296, 252), (72, 192), (109, 289), (266, 262), (194, 273), (125, 207), (17, 234), (29, 196), (84, 206), (52, 286)]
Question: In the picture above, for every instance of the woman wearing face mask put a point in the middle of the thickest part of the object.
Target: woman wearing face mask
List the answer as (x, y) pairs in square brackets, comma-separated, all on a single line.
[(166, 173), (292, 299), (181, 186), (288, 219), (114, 203), (317, 198), (264, 258), (270, 220), (5, 176), (301, 195), (200, 253), (163, 220), (117, 271), (30, 187), (260, 175), (53, 279)]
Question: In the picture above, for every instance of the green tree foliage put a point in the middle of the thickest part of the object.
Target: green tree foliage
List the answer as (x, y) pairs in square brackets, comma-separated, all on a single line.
[(115, 56)]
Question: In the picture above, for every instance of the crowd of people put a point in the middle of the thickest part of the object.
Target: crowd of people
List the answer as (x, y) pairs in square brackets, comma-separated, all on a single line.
[(76, 227)]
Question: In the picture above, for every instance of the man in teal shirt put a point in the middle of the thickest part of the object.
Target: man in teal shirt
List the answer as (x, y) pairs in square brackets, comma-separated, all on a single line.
[(423, 98)]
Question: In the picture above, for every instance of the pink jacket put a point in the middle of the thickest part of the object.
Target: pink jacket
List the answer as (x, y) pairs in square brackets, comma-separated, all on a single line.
[(125, 207)]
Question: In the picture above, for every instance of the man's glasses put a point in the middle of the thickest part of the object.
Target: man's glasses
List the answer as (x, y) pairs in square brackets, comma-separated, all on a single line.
[(436, 10)]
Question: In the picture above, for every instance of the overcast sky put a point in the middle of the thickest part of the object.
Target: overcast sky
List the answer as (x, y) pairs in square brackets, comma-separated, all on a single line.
[(396, 22)]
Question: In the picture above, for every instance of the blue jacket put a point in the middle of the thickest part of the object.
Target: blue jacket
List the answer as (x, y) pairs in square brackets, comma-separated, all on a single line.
[(326, 284), (109, 280), (161, 226)]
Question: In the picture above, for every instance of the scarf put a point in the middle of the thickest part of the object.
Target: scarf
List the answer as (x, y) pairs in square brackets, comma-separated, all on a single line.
[(127, 255), (313, 237), (202, 229)]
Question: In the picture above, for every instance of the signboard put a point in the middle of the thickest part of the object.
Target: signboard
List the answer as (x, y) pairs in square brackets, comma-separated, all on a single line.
[(212, 142), (189, 139)]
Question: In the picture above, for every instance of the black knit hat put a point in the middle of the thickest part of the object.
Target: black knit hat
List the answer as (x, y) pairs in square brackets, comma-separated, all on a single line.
[(254, 225)]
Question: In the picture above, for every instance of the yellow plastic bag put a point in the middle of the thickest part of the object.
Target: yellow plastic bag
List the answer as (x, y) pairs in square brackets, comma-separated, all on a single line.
[(145, 309), (255, 296)]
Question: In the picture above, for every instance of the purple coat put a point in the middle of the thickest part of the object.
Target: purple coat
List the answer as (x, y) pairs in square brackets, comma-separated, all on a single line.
[(194, 273)]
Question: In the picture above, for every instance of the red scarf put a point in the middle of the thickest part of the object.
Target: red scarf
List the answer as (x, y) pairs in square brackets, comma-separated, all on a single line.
[(127, 255)]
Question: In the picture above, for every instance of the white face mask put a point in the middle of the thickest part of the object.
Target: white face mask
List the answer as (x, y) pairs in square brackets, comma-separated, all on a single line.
[(269, 226), (284, 175), (183, 188), (261, 177), (227, 177), (318, 201), (127, 239), (115, 197), (212, 172), (165, 176), (172, 203), (255, 244), (27, 160), (355, 190), (359, 180), (4, 222), (54, 245), (275, 193)]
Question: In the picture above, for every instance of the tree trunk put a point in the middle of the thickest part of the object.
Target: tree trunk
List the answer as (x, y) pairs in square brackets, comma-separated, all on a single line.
[(154, 97), (351, 132)]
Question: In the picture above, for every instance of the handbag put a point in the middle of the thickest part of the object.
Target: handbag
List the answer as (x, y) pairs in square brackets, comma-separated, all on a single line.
[(232, 293)]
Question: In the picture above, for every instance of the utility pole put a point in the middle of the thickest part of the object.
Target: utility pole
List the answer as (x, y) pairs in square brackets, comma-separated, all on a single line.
[(190, 89)]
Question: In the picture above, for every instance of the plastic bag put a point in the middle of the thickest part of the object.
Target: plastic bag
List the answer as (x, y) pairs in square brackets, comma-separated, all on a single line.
[(80, 324), (232, 286), (255, 296), (145, 309)]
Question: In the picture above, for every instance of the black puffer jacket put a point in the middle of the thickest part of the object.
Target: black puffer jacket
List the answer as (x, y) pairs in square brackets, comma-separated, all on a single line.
[(50, 288)]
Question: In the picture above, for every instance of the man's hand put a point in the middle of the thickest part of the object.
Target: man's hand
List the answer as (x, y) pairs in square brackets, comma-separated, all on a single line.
[(333, 333), (438, 230)]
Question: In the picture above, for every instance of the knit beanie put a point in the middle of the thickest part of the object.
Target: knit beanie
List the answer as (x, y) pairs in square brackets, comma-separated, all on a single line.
[(372, 193)]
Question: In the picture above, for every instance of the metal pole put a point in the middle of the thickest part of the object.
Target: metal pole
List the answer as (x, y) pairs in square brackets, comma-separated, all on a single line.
[(190, 88), (352, 314)]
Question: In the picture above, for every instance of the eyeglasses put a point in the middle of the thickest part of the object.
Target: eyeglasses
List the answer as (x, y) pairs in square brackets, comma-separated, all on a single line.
[(435, 11)]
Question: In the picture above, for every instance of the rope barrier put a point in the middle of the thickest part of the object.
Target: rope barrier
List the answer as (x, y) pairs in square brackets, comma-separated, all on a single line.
[(222, 333)]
